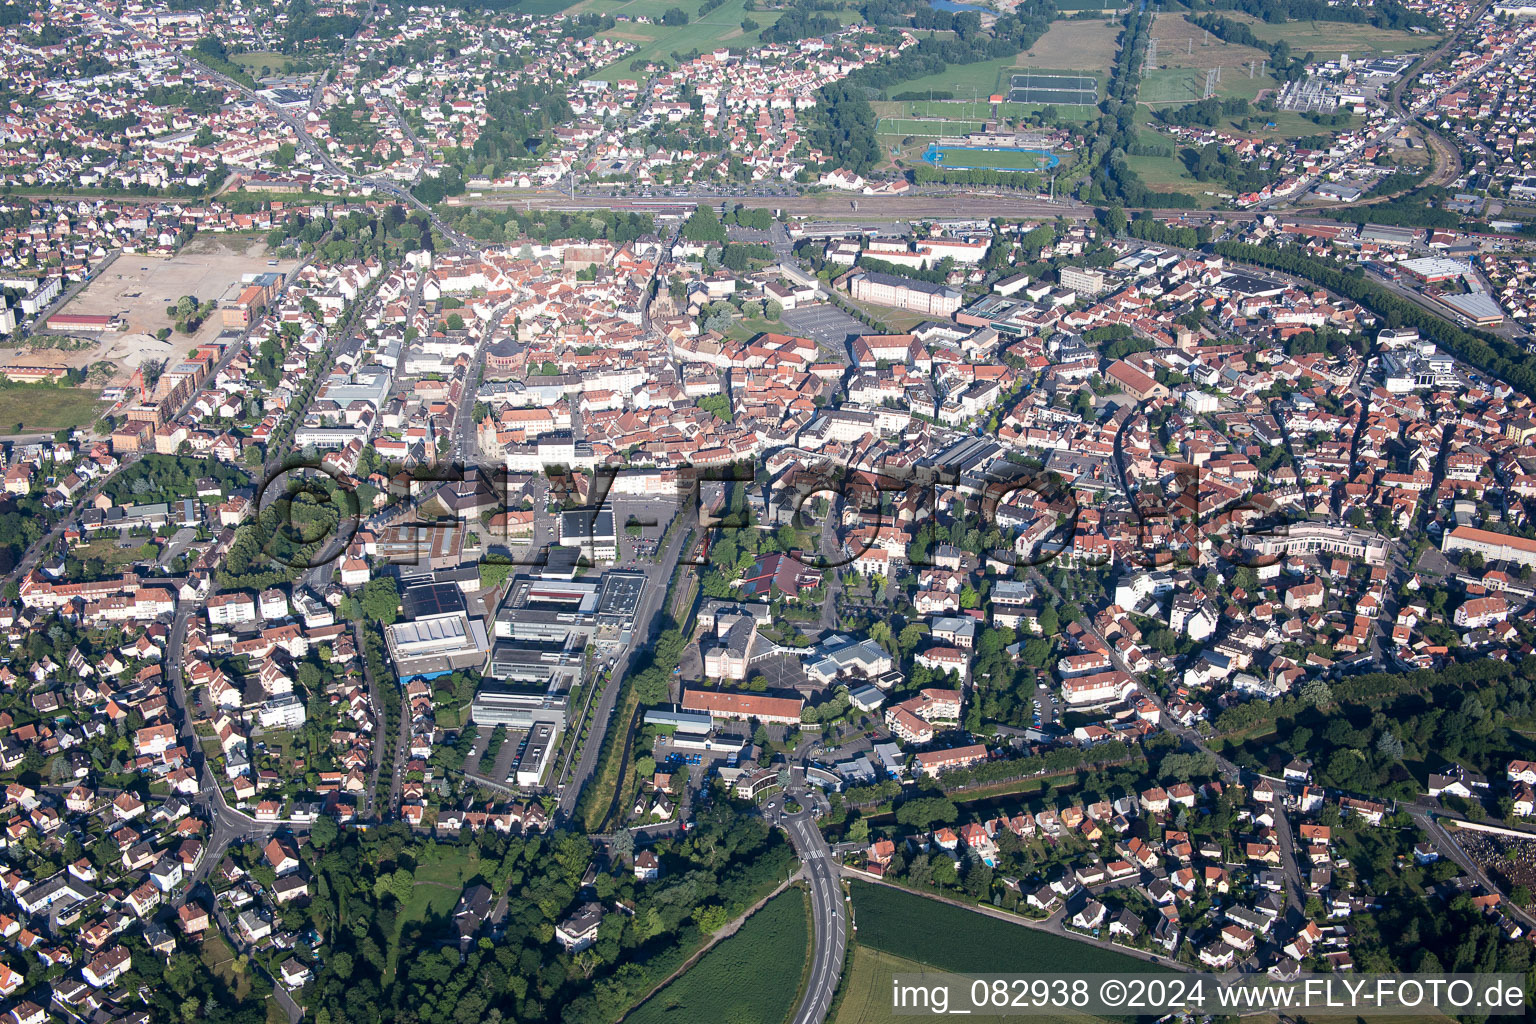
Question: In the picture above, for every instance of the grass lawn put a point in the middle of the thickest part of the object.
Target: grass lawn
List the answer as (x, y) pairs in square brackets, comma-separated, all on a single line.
[(1288, 124), (900, 126), (31, 410), (970, 82), (747, 328), (109, 551), (967, 942), (220, 959), (1161, 171), (753, 977), (438, 884), (1328, 39), (253, 62)]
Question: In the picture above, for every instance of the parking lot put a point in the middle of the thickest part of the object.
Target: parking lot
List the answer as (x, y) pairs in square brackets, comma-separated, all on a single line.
[(826, 324), (782, 672)]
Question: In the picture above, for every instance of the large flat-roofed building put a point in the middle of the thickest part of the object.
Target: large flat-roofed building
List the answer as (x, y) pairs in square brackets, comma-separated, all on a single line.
[(691, 722), (542, 665), (744, 706), (549, 611), (1492, 546), (435, 632), (1311, 538), (590, 530), (617, 604), (81, 322), (1434, 269), (517, 709), (534, 757)]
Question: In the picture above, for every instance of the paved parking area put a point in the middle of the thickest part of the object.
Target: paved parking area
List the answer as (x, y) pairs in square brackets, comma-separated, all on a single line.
[(782, 672), (826, 324)]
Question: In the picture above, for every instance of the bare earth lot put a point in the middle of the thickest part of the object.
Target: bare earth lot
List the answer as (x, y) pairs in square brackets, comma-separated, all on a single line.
[(138, 288)]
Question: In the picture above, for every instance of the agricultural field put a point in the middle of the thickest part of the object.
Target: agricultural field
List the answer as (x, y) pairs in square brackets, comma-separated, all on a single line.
[(867, 992), (753, 976), (1090, 45), (967, 942), (1328, 39), (43, 410)]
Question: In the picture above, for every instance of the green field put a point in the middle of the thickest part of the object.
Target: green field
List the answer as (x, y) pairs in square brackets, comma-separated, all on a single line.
[(968, 942), (867, 992), (960, 110), (753, 977), (1328, 39), (973, 83), (977, 110), (657, 42), (1172, 87), (961, 158), (253, 62), (31, 410), (926, 129)]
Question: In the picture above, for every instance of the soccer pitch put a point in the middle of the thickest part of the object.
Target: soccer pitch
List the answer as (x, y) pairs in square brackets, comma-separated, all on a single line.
[(1070, 90)]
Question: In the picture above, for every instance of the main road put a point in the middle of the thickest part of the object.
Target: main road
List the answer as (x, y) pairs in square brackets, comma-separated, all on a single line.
[(646, 620), (830, 944)]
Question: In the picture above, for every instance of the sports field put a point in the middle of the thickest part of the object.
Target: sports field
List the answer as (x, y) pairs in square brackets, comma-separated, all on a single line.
[(927, 128), (987, 158), (1071, 90)]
